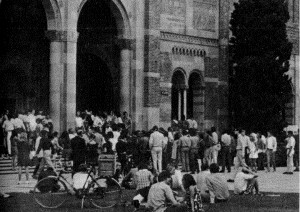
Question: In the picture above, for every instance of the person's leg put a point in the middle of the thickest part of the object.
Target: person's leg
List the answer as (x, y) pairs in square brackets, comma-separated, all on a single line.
[(223, 158), (27, 173), (268, 153), (274, 161), (289, 163), (187, 157), (159, 159), (228, 160), (37, 166), (9, 133), (154, 158), (192, 161), (41, 166), (19, 173), (13, 162)]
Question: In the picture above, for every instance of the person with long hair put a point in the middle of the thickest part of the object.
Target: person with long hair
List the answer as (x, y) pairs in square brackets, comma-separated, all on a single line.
[(190, 186), (23, 155)]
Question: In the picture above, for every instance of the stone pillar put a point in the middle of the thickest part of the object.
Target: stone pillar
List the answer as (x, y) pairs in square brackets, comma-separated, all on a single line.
[(138, 104), (55, 78), (179, 104), (125, 76), (184, 102), (62, 78)]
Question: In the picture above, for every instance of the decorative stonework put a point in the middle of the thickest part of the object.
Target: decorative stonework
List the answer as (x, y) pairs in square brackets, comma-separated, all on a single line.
[(188, 39), (205, 15), (69, 36), (188, 51)]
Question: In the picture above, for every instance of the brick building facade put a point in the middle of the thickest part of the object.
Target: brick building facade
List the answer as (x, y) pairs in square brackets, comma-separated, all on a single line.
[(161, 59)]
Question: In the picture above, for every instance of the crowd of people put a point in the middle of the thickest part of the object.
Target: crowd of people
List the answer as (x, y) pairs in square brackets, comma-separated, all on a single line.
[(159, 156)]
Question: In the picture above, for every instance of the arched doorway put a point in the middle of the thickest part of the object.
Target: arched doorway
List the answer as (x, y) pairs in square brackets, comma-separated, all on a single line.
[(98, 77), (24, 56), (178, 95), (195, 97)]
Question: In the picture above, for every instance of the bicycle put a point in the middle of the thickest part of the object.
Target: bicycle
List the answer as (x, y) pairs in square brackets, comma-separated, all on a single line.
[(52, 191)]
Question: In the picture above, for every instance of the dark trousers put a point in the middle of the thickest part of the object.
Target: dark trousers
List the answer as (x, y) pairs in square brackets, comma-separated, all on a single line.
[(261, 161), (226, 158), (37, 166), (193, 159)]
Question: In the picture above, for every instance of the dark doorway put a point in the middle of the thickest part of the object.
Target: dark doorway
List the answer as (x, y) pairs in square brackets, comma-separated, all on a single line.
[(94, 85), (98, 58), (178, 85), (24, 55)]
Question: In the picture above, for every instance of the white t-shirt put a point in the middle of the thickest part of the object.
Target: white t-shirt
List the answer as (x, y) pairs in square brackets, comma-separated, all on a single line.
[(253, 151), (291, 144), (240, 182), (176, 179), (200, 180), (79, 179), (78, 121)]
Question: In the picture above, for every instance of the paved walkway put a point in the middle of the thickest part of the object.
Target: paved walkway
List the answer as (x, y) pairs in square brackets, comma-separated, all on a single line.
[(269, 182)]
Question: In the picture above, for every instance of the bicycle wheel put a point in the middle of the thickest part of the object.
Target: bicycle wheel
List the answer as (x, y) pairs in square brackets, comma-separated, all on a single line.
[(105, 192), (50, 192)]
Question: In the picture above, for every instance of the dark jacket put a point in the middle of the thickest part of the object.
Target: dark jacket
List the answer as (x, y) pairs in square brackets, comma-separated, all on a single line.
[(78, 148)]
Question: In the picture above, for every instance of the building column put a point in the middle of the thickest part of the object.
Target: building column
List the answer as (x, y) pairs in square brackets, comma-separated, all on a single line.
[(63, 78), (55, 78), (184, 101), (138, 104), (125, 76), (179, 104)]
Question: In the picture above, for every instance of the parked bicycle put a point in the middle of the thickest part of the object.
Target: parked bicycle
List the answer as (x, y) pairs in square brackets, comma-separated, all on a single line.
[(102, 192)]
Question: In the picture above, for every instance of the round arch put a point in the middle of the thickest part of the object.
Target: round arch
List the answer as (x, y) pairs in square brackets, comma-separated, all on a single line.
[(120, 14), (53, 14), (195, 97), (178, 94)]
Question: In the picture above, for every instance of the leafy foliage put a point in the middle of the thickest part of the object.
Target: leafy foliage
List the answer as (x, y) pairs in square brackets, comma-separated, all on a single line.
[(259, 54)]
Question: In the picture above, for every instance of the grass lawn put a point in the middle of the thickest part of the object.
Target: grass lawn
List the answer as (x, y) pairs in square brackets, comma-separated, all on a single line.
[(246, 203)]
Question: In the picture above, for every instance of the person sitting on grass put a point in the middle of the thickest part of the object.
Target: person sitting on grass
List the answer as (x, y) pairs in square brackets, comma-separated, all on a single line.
[(217, 185), (161, 192), (175, 171), (201, 182), (190, 186), (81, 178), (245, 181)]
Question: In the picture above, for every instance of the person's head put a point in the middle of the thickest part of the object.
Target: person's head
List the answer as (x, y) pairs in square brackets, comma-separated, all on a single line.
[(204, 166), (79, 132), (213, 129), (243, 132), (92, 136), (164, 176), (110, 135), (171, 168), (70, 131), (82, 168), (55, 134), (142, 165), (185, 132), (269, 133), (193, 132), (155, 128), (187, 181), (125, 114), (214, 168), (170, 129), (290, 133)]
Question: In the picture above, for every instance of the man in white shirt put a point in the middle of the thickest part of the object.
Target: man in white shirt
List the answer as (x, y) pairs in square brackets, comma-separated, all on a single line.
[(290, 148), (78, 121), (8, 127), (245, 181), (156, 145), (18, 123), (217, 147), (32, 121), (271, 144)]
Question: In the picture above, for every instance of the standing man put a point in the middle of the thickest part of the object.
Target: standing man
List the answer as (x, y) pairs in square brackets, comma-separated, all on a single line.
[(156, 145), (194, 153), (240, 153), (261, 145), (290, 153), (271, 144), (78, 150), (185, 144), (226, 157), (216, 148), (127, 121)]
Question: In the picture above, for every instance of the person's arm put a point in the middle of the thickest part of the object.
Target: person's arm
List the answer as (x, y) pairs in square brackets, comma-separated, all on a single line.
[(39, 146), (192, 194), (170, 196), (274, 145), (211, 190), (151, 141)]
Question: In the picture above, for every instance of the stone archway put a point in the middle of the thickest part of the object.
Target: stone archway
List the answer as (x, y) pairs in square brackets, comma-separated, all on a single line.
[(195, 97), (178, 97), (103, 29)]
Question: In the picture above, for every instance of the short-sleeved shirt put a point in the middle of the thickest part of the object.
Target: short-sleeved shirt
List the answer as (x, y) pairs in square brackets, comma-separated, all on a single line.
[(158, 194), (142, 178), (240, 182)]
